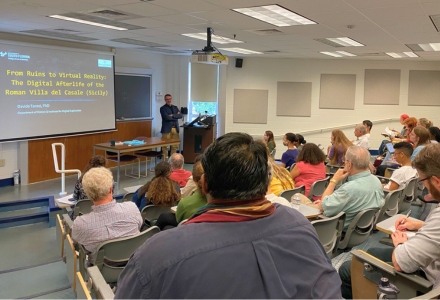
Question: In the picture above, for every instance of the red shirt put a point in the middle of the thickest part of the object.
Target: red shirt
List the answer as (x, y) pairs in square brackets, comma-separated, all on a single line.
[(181, 176)]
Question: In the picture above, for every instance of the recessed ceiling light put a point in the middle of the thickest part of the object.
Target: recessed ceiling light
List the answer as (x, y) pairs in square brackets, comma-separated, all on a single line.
[(86, 22), (275, 14), (214, 38), (345, 42), (241, 50), (430, 47), (338, 53), (401, 55)]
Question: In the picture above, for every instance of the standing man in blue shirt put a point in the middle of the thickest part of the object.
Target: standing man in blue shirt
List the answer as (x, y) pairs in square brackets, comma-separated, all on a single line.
[(170, 124)]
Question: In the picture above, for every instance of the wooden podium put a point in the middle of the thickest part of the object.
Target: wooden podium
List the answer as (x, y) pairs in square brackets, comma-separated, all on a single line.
[(196, 139)]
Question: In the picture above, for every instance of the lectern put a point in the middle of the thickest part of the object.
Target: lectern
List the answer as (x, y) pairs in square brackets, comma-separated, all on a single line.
[(197, 137)]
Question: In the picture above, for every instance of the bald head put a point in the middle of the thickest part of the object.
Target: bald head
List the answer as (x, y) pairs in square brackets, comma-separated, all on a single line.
[(176, 161)]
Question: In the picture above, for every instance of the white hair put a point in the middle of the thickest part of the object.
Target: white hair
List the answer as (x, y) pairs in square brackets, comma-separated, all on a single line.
[(359, 157), (97, 183), (176, 161)]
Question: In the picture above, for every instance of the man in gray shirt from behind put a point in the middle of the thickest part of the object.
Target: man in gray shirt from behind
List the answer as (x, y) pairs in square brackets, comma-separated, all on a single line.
[(239, 245)]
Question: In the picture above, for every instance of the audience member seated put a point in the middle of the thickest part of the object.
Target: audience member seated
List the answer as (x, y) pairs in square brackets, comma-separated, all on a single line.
[(339, 145), (108, 219), (289, 157), (409, 124), (240, 245), (402, 154), (299, 144), (191, 185), (178, 173), (281, 179), (160, 190), (368, 125), (419, 137), (362, 139), (420, 252), (189, 205), (401, 135), (269, 140), (361, 191), (271, 196), (434, 135), (94, 162), (309, 167), (424, 122)]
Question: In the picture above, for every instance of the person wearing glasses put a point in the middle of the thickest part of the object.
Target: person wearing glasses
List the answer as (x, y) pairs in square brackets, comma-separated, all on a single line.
[(402, 155)]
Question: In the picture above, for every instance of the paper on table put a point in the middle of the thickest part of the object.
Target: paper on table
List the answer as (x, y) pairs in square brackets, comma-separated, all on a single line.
[(408, 233), (65, 200)]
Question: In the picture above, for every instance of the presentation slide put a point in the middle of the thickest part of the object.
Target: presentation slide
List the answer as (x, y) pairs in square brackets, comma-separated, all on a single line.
[(50, 91)]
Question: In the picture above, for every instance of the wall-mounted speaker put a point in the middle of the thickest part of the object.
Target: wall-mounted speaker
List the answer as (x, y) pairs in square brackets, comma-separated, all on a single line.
[(239, 62)]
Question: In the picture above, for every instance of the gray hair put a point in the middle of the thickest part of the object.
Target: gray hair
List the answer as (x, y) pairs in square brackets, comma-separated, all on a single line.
[(359, 157), (427, 160), (361, 128), (176, 161), (97, 183)]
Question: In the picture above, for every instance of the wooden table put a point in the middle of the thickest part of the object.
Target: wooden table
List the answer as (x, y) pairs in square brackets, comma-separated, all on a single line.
[(150, 143)]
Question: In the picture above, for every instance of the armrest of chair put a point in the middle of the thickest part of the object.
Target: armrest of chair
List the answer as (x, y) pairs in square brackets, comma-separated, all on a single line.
[(68, 209), (433, 294), (99, 286), (383, 179)]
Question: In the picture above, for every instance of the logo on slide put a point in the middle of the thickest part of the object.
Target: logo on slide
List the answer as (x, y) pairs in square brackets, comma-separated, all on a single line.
[(104, 63), (14, 56)]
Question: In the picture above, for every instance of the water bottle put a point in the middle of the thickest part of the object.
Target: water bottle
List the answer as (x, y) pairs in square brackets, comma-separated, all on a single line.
[(16, 177), (296, 201), (386, 290)]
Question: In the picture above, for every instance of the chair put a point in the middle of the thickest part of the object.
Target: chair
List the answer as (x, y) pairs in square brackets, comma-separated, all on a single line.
[(391, 205), (287, 194), (71, 261), (433, 294), (127, 158), (118, 251), (82, 207), (273, 152), (359, 229), (128, 197), (407, 195), (151, 213), (291, 167), (366, 271), (332, 169), (82, 292), (389, 172), (60, 234), (99, 288), (147, 154), (318, 188), (329, 231)]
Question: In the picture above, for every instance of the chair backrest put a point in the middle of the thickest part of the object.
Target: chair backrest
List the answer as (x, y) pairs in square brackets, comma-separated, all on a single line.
[(390, 206), (360, 228), (111, 256), (388, 172), (128, 197), (318, 188), (100, 289), (82, 207), (291, 167), (332, 169), (418, 188), (273, 152), (329, 231), (151, 213), (287, 194), (407, 195)]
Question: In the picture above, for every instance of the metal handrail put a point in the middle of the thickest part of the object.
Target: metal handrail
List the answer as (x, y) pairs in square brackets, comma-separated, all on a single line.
[(62, 170)]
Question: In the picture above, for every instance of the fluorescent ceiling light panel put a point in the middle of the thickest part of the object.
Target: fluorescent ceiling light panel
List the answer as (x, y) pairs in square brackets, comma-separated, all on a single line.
[(214, 38), (86, 22), (241, 50), (338, 53), (345, 41), (430, 47), (401, 55), (275, 15)]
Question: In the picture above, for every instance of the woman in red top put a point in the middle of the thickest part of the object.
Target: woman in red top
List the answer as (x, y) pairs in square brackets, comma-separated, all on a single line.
[(309, 166)]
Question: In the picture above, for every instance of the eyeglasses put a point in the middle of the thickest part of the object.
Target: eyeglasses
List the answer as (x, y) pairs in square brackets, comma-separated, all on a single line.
[(395, 153), (426, 178)]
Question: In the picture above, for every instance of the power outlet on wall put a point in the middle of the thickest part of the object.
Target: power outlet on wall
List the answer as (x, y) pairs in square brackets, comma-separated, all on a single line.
[(2, 162)]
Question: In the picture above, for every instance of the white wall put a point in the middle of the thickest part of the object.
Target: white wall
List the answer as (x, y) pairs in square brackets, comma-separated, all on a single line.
[(263, 73)]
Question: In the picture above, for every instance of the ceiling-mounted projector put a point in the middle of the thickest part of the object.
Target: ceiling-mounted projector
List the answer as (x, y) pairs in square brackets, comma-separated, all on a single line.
[(208, 55)]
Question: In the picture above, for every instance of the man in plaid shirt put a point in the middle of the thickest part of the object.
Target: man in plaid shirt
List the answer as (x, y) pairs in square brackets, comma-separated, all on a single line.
[(108, 219)]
